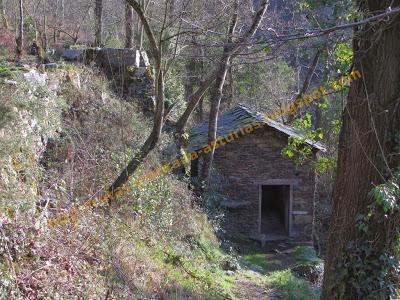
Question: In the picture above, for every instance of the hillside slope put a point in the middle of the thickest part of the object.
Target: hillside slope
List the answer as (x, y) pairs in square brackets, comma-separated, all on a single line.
[(62, 142)]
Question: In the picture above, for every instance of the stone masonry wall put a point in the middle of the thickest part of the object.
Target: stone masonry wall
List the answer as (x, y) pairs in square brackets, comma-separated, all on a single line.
[(247, 163), (129, 70)]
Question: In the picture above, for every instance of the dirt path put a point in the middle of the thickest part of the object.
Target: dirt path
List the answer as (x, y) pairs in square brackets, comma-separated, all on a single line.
[(276, 256), (251, 290)]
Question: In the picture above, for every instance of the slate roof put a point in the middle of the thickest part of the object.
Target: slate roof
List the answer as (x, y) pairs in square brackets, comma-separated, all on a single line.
[(237, 118)]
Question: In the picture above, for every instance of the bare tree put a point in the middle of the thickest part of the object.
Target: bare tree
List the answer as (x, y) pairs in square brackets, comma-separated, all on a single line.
[(306, 84), (150, 143), (20, 38), (98, 11), (216, 95), (156, 49), (44, 25), (3, 14), (129, 26), (156, 45)]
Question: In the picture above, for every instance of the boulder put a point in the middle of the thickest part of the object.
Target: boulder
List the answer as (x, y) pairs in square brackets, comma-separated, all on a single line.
[(312, 273), (34, 78)]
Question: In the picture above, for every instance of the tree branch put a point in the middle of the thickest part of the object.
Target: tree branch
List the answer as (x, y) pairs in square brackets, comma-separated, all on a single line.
[(154, 49)]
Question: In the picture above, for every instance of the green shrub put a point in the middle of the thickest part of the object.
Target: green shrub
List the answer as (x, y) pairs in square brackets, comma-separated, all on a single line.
[(5, 70), (290, 287), (306, 255), (114, 42)]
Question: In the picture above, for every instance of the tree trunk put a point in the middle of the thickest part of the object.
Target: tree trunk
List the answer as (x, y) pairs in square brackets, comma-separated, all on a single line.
[(128, 26), (194, 68), (190, 68), (152, 140), (193, 101), (20, 38), (62, 19), (44, 27), (367, 154), (156, 52), (306, 84), (231, 89), (232, 51), (3, 14), (55, 21), (216, 96), (98, 14)]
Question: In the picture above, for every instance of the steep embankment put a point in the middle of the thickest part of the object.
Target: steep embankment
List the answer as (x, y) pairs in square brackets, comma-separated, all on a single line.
[(62, 141)]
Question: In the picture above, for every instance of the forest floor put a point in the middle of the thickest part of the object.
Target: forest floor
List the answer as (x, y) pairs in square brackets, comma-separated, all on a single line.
[(272, 272)]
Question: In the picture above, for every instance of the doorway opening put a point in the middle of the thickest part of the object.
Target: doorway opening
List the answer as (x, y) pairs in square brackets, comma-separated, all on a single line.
[(275, 206)]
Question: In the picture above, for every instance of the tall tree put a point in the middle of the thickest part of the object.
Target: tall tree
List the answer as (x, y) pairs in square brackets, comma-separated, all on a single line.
[(20, 38), (156, 49), (3, 14), (128, 26), (362, 233), (44, 25), (98, 14), (216, 95)]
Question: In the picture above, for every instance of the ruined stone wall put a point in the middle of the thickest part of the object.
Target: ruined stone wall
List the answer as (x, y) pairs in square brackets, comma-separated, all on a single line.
[(128, 69), (247, 163)]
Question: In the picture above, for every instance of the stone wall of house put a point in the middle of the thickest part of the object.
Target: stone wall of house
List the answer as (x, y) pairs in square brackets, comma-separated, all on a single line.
[(249, 162)]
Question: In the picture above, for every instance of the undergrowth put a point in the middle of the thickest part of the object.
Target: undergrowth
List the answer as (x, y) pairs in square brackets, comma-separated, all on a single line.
[(63, 145), (306, 255), (290, 287)]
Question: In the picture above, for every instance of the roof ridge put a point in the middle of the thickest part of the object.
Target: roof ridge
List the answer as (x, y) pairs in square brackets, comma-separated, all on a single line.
[(238, 117)]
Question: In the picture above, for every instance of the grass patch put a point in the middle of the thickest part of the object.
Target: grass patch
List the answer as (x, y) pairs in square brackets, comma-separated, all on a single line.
[(290, 287), (257, 262), (306, 255)]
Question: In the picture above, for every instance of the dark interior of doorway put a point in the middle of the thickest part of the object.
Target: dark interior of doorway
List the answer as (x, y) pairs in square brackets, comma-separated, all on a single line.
[(275, 210)]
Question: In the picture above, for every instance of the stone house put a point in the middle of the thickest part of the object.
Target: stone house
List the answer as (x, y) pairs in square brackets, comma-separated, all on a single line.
[(270, 198)]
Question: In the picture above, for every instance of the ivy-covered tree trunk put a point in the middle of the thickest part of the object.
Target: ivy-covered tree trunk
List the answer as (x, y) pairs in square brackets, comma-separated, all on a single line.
[(364, 226)]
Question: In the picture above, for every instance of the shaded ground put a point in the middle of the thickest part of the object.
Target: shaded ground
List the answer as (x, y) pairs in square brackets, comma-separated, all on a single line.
[(249, 289), (268, 272)]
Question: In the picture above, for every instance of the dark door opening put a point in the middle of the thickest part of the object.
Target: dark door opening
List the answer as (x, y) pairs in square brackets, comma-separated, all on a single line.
[(275, 203)]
